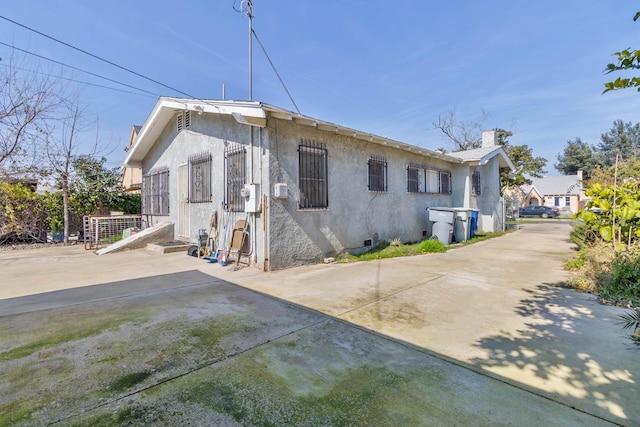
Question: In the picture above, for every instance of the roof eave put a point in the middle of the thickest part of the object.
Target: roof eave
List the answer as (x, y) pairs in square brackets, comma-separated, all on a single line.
[(504, 160), (281, 114), (252, 114), (244, 112)]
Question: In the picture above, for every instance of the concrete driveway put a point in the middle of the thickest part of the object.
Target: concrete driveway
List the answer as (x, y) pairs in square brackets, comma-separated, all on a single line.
[(480, 335)]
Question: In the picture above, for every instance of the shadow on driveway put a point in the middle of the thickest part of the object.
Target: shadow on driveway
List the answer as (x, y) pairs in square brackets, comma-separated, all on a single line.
[(556, 353)]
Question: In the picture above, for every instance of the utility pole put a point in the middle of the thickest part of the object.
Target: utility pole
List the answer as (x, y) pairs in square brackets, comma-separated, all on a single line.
[(250, 16)]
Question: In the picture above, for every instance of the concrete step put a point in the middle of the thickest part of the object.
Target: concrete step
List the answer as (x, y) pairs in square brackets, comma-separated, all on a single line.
[(169, 247)]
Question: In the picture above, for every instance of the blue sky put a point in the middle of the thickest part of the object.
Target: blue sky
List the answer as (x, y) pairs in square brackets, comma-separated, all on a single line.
[(388, 68)]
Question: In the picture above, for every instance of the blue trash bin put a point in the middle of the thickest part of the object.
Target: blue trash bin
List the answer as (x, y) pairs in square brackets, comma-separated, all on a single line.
[(474, 223)]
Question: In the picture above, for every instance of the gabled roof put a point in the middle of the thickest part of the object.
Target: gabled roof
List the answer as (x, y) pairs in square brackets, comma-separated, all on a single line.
[(251, 113), (482, 155), (135, 130), (555, 185)]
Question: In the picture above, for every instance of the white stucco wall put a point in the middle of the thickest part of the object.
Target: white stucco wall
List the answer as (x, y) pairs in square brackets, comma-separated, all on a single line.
[(283, 235), (489, 204), (208, 133), (355, 214)]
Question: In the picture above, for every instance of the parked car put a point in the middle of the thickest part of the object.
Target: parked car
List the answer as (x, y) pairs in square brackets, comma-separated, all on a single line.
[(539, 211)]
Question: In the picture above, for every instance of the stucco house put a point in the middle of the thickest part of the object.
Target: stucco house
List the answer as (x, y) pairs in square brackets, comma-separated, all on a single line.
[(485, 166), (564, 192), (307, 188)]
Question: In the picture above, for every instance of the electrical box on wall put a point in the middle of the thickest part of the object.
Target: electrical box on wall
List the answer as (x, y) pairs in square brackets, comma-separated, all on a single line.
[(280, 191), (251, 199)]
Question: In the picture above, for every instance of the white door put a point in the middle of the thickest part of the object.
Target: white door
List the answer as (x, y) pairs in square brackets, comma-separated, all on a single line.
[(183, 188)]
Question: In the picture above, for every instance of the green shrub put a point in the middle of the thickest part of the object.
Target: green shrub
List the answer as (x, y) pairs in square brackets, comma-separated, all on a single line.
[(612, 274), (22, 213), (623, 281), (396, 242), (393, 250), (577, 262), (431, 246), (582, 234), (631, 320)]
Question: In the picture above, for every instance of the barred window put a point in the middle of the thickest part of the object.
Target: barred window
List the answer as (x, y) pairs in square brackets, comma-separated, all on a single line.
[(377, 174), (200, 178), (235, 162), (421, 179), (475, 183), (155, 192), (413, 184), (312, 159), (445, 182)]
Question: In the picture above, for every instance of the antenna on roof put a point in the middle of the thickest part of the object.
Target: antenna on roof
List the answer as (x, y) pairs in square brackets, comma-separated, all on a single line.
[(246, 7)]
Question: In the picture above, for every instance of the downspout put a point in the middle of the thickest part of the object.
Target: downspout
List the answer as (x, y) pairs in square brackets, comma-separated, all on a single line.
[(466, 203), (253, 235), (265, 229)]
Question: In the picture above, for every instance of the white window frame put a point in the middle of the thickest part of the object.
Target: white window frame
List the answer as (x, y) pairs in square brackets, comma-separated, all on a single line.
[(428, 180)]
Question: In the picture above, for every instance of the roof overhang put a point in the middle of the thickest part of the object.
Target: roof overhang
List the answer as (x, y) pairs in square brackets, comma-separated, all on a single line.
[(300, 119), (533, 190), (504, 162), (251, 114)]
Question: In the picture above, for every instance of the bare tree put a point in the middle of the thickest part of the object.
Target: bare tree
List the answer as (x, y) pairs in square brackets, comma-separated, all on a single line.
[(463, 135), (28, 98), (63, 147)]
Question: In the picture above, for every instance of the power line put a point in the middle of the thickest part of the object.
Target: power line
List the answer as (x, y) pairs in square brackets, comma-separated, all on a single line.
[(81, 70), (131, 71), (96, 57), (276, 71), (84, 83), (247, 7)]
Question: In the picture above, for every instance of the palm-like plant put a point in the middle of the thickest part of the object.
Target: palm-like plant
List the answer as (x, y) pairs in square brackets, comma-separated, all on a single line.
[(631, 320)]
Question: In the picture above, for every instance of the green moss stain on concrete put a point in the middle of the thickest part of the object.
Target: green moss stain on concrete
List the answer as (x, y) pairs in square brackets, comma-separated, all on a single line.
[(365, 395), (129, 380), (62, 330), (18, 378), (128, 415), (209, 332), (324, 378), (326, 375), (56, 339), (39, 376), (21, 375), (18, 412)]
